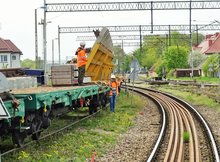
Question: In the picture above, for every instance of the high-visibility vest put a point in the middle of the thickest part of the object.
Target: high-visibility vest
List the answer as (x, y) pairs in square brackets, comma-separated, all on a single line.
[(119, 82), (81, 56), (114, 88)]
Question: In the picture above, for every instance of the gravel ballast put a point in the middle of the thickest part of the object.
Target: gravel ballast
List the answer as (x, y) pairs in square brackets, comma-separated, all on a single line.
[(136, 144)]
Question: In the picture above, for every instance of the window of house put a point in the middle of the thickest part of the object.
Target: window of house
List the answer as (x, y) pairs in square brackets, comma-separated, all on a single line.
[(13, 57), (3, 58)]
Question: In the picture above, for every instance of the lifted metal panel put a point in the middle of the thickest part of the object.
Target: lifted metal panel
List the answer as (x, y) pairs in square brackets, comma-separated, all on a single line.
[(99, 65)]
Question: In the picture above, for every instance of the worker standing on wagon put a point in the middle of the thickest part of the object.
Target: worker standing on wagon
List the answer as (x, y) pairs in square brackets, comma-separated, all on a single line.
[(113, 93), (81, 61)]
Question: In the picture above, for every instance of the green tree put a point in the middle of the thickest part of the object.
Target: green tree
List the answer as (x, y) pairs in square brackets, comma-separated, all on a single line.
[(28, 63), (128, 59), (200, 38), (178, 39), (176, 57), (211, 63), (119, 55), (154, 47), (159, 67), (198, 58), (149, 58)]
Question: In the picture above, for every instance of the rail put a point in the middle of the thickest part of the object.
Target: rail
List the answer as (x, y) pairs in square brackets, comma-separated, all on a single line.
[(185, 123)]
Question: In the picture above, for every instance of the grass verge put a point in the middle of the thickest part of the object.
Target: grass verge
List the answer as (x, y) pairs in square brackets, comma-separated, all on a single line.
[(198, 79), (96, 134)]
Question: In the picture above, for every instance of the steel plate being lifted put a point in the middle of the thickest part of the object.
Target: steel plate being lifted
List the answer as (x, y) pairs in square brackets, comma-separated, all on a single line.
[(99, 65)]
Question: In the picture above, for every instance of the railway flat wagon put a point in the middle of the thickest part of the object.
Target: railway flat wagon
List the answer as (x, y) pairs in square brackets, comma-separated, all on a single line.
[(28, 111)]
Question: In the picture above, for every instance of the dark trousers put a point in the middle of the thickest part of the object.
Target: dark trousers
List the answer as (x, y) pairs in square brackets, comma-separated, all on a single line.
[(82, 70), (112, 102)]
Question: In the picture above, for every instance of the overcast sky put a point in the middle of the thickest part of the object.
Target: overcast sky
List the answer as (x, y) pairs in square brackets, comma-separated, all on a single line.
[(17, 23)]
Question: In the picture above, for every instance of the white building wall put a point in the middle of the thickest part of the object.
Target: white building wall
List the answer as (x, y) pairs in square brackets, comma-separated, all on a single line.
[(13, 60), (3, 63)]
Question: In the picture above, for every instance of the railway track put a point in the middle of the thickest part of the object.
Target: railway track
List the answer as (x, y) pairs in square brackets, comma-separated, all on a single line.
[(72, 121), (184, 135), (209, 90)]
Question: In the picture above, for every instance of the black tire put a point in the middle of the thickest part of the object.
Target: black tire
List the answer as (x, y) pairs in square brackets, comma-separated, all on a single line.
[(93, 107), (46, 122), (96, 107), (90, 110), (18, 137), (36, 129)]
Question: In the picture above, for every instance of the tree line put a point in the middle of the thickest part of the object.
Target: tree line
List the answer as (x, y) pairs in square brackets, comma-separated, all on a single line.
[(164, 55)]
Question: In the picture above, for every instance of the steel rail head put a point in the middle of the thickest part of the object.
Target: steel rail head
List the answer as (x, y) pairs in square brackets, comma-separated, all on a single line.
[(209, 132), (200, 117)]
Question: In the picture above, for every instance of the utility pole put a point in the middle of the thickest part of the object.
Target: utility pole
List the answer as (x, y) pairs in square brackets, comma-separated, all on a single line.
[(123, 61), (190, 32), (140, 40), (59, 44), (45, 39), (36, 41), (53, 50)]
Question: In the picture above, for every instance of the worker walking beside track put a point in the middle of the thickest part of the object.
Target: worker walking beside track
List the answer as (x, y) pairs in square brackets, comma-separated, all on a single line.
[(81, 61), (118, 80), (113, 93)]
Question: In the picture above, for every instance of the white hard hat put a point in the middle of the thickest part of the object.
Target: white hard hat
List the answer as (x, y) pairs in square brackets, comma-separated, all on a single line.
[(82, 43), (113, 76)]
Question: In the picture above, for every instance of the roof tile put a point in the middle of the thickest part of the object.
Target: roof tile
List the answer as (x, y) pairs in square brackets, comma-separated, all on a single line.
[(8, 46)]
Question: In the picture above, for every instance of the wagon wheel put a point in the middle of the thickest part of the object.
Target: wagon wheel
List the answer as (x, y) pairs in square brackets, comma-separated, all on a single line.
[(93, 107), (35, 128), (18, 137), (90, 109), (104, 101)]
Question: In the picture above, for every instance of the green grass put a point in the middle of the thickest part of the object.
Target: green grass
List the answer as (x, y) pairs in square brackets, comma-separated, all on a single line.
[(199, 79), (186, 136), (195, 99), (96, 134)]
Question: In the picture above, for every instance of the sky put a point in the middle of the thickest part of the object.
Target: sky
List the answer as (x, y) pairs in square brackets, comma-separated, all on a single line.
[(17, 24)]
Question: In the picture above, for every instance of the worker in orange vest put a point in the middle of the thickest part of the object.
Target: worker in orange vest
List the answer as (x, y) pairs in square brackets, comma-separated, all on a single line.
[(118, 80), (81, 61), (113, 93)]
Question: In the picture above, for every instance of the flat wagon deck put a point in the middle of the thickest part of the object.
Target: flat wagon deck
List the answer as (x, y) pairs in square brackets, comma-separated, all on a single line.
[(36, 98), (31, 109)]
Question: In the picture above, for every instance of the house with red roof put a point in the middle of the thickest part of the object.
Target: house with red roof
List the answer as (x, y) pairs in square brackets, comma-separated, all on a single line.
[(9, 54), (211, 44)]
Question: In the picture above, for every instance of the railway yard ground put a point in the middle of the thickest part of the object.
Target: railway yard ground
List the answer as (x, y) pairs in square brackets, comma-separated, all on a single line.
[(128, 134), (79, 143)]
